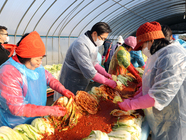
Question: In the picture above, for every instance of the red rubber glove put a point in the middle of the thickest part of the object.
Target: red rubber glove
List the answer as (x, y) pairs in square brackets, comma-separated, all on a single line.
[(134, 68), (134, 72), (139, 85), (102, 71), (140, 103), (56, 85), (31, 110), (103, 80), (68, 93)]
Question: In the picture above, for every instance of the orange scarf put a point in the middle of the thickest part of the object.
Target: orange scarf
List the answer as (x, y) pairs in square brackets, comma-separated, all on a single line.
[(31, 46)]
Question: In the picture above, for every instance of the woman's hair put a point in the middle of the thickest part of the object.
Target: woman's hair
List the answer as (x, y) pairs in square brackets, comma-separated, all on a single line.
[(22, 60), (158, 44), (101, 28), (126, 46), (22, 38), (166, 31)]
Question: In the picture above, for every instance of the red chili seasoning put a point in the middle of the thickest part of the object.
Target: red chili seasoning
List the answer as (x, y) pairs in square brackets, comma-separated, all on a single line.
[(101, 121)]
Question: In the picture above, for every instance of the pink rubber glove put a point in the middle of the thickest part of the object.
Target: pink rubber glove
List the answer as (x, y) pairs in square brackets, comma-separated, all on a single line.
[(103, 80), (137, 94), (102, 71), (56, 85), (140, 103), (31, 110)]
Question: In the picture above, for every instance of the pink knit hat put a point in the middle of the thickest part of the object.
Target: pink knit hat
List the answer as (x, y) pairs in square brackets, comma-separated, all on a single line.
[(131, 41)]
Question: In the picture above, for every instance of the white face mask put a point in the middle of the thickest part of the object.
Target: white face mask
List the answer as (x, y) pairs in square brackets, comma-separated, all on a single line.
[(146, 51), (7, 39), (98, 42)]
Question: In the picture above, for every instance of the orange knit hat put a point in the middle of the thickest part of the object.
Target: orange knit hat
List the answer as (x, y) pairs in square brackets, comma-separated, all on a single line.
[(31, 46), (148, 31)]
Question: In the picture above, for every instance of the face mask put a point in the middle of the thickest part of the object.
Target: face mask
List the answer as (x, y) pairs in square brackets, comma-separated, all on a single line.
[(7, 40), (99, 42), (146, 51)]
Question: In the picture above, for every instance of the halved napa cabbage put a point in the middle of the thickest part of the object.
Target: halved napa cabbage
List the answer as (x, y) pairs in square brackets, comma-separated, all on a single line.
[(124, 79), (130, 129), (6, 133), (114, 77), (118, 112), (96, 91), (43, 125), (54, 69), (119, 134), (117, 99), (141, 71), (28, 132), (127, 125), (119, 86), (125, 121), (97, 135)]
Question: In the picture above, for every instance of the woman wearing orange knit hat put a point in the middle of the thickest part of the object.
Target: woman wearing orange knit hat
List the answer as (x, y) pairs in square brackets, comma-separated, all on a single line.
[(163, 92), (23, 84)]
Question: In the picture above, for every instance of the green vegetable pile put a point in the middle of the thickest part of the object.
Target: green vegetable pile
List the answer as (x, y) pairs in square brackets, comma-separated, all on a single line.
[(141, 71), (34, 131), (54, 69), (124, 79)]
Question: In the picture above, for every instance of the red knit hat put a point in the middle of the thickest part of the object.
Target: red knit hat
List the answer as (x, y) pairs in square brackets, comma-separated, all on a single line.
[(148, 31)]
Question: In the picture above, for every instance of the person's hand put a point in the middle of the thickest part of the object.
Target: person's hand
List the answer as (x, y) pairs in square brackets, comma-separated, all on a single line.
[(109, 76), (103, 80), (138, 78), (139, 85), (111, 83), (134, 72), (141, 102), (56, 85), (68, 93), (102, 71), (124, 105), (57, 111), (137, 92), (31, 110)]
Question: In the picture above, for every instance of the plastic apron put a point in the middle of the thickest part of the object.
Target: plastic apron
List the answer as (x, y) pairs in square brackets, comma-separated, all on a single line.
[(36, 85), (72, 76), (164, 79), (120, 61)]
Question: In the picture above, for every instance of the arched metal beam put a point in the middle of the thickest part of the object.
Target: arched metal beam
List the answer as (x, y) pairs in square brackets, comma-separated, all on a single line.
[(22, 19)]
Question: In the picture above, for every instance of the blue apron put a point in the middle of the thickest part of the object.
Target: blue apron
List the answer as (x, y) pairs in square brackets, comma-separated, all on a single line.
[(36, 84)]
